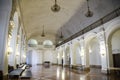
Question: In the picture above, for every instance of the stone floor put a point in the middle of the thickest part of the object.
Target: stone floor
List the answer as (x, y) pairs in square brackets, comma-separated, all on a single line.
[(59, 73), (40, 72)]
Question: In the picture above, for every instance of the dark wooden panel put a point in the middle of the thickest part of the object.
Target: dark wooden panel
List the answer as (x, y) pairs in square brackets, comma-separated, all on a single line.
[(116, 60)]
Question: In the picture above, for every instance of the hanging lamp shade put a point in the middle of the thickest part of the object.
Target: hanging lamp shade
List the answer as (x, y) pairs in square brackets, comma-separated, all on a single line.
[(89, 12), (55, 7), (32, 43), (43, 33)]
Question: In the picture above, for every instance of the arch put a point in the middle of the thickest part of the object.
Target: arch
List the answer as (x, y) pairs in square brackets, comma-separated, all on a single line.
[(77, 53), (92, 50), (111, 29)]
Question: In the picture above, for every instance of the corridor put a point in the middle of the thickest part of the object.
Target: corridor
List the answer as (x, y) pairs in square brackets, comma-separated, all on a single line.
[(58, 73)]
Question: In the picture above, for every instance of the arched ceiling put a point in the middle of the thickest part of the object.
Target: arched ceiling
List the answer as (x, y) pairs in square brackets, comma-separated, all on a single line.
[(37, 13), (71, 17)]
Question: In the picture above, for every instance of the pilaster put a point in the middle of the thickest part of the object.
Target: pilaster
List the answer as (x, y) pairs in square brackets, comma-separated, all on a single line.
[(103, 50)]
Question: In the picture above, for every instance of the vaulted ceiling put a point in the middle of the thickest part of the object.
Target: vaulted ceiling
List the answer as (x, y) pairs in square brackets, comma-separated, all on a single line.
[(37, 13)]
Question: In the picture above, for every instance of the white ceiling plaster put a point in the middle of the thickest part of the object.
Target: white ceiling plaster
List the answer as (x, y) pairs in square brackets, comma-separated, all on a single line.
[(37, 13)]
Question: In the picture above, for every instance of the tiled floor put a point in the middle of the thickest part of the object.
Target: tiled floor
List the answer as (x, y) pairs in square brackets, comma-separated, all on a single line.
[(59, 73)]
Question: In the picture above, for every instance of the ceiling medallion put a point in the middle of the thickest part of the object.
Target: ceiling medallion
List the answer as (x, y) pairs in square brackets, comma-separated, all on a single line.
[(89, 12), (55, 7), (43, 33)]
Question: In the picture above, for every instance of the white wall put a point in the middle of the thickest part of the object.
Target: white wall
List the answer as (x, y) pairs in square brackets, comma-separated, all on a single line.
[(78, 58), (48, 55), (34, 57), (38, 57), (54, 56), (94, 55), (29, 57), (116, 42)]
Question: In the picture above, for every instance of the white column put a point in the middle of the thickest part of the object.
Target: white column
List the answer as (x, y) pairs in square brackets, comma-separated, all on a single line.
[(110, 56), (59, 55), (57, 52), (64, 56), (82, 52), (103, 51), (19, 49), (71, 53), (59, 58), (5, 9), (13, 44)]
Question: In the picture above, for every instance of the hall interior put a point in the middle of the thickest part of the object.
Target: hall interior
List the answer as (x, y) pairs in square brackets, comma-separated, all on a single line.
[(60, 39)]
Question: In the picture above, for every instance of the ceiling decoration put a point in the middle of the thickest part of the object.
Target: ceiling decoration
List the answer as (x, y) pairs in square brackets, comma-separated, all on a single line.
[(89, 12), (61, 37), (55, 7)]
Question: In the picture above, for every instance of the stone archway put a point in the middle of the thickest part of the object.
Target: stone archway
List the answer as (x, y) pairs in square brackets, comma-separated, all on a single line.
[(114, 48), (94, 53), (92, 47), (111, 29), (77, 54)]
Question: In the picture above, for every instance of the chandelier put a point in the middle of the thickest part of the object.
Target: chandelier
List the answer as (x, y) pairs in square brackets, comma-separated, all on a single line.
[(89, 12), (61, 36), (43, 33), (55, 7)]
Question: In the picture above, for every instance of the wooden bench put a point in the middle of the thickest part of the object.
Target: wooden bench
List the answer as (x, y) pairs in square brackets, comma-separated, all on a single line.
[(26, 74)]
